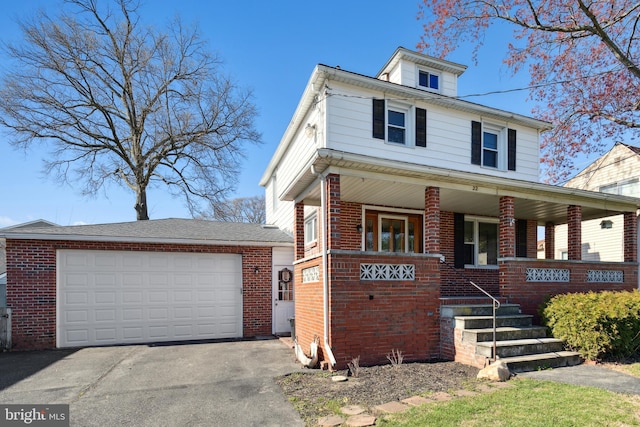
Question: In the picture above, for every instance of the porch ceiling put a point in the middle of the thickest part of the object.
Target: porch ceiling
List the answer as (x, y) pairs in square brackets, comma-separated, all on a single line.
[(403, 185)]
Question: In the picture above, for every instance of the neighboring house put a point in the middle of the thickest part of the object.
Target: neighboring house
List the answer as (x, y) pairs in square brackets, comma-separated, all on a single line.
[(146, 281), (3, 254), (615, 172), (380, 178)]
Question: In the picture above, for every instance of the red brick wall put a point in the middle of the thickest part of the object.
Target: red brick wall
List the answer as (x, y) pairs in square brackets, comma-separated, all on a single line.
[(530, 295), (574, 239), (432, 220), (370, 318), (630, 237), (507, 245), (31, 285), (309, 307), (452, 283)]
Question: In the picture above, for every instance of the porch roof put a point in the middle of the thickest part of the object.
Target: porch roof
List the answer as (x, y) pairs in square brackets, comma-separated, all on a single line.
[(383, 182)]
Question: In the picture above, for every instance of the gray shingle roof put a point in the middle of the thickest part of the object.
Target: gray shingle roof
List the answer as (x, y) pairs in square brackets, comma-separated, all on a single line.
[(161, 230)]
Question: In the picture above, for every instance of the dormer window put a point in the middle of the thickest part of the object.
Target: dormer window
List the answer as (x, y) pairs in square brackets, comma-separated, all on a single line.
[(428, 80)]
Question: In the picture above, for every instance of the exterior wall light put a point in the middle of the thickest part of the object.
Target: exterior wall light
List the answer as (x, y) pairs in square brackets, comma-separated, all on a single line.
[(606, 224), (359, 228)]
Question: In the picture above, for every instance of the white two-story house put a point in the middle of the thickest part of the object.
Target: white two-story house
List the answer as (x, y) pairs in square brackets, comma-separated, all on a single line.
[(398, 193)]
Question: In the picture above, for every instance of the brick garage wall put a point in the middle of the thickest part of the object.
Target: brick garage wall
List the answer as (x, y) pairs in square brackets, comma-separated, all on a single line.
[(370, 318), (31, 285), (530, 295)]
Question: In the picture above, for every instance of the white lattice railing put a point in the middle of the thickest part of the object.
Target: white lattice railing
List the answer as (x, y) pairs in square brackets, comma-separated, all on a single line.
[(605, 276), (548, 275), (311, 274), (387, 272)]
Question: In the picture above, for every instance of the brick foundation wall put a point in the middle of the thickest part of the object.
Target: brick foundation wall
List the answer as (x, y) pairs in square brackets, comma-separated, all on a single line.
[(31, 285)]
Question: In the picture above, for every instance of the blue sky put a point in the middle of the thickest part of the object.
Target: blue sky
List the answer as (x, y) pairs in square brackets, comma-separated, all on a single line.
[(268, 46)]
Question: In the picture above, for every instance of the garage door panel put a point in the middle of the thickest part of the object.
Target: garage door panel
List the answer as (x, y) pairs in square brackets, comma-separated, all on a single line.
[(133, 297)]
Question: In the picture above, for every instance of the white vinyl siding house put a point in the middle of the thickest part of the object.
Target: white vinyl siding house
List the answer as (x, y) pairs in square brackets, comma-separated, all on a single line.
[(615, 172)]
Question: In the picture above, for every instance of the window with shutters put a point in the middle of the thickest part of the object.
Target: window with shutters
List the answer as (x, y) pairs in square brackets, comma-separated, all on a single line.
[(399, 124), (480, 242), (493, 146)]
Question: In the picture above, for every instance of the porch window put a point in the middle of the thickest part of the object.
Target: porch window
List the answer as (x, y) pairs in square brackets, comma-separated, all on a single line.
[(391, 232), (311, 229), (480, 242)]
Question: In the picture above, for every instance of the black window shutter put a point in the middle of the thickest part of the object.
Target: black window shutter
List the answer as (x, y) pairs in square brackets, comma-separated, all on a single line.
[(421, 127), (458, 240), (476, 142), (511, 150), (378, 118), (521, 238)]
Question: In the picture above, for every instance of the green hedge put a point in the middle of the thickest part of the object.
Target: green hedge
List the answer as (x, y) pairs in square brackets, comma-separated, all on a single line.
[(596, 324)]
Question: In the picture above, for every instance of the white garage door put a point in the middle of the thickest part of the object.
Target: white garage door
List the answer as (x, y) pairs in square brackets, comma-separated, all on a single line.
[(118, 297)]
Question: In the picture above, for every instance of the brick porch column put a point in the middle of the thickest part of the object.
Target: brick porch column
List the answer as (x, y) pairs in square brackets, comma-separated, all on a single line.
[(333, 211), (532, 238), (574, 239), (507, 229), (630, 237), (432, 220), (298, 230), (549, 240)]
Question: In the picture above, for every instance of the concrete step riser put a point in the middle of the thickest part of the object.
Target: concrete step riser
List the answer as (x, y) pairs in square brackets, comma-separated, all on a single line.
[(482, 323), (534, 365), (520, 350), (478, 310), (517, 334)]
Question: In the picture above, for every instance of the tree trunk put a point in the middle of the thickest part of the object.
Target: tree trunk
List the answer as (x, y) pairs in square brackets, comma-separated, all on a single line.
[(141, 204)]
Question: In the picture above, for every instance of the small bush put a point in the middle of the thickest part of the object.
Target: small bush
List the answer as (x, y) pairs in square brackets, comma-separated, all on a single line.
[(596, 324)]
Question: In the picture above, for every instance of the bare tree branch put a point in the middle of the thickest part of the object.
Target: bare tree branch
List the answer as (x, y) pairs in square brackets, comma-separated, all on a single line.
[(119, 102)]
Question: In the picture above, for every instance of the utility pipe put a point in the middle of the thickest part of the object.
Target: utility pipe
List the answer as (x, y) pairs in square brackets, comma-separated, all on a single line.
[(325, 279)]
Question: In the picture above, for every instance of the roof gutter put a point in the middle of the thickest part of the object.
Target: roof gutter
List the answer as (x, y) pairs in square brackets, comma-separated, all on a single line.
[(123, 239)]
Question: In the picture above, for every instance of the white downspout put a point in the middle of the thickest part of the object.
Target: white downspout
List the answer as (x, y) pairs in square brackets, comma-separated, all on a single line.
[(325, 279)]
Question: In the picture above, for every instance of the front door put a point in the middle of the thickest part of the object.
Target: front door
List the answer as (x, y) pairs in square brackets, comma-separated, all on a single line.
[(283, 303)]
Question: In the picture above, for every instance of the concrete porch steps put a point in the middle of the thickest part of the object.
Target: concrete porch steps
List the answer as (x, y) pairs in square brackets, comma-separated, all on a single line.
[(519, 343)]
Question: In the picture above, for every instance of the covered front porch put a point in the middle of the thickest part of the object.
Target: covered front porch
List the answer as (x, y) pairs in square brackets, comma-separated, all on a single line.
[(396, 239)]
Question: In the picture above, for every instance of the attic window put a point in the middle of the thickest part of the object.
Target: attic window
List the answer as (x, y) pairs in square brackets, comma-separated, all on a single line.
[(428, 80)]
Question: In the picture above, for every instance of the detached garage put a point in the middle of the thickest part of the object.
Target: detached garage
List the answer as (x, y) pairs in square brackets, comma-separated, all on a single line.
[(142, 282)]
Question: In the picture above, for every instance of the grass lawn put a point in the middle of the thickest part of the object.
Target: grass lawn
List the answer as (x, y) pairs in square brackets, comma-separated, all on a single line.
[(527, 403)]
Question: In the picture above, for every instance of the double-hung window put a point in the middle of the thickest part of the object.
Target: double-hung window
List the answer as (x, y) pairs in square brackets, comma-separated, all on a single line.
[(480, 242), (490, 147), (396, 125), (493, 146), (311, 229), (399, 124)]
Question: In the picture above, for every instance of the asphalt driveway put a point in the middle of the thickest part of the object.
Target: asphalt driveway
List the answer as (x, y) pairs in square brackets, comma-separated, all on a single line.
[(208, 384)]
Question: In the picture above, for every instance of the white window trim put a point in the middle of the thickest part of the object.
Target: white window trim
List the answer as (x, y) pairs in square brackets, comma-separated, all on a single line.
[(430, 71), (409, 123), (501, 132), (477, 220), (313, 220)]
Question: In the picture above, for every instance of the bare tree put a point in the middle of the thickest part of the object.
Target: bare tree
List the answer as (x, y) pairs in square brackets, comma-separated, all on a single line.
[(244, 209), (120, 102)]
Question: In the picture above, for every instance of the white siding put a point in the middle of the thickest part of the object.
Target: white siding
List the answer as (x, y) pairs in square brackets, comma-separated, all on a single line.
[(597, 244), (618, 165), (349, 129)]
